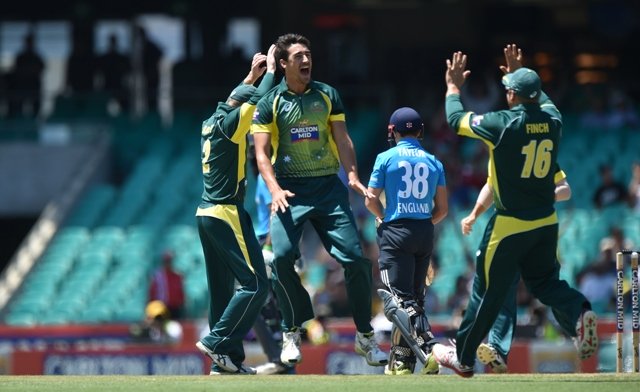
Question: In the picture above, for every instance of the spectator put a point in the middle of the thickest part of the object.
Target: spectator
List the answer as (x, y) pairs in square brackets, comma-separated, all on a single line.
[(458, 300), (610, 191), (150, 56), (597, 280), (80, 66), (615, 241), (113, 70), (26, 80), (167, 286), (622, 113), (157, 326), (481, 96), (595, 116)]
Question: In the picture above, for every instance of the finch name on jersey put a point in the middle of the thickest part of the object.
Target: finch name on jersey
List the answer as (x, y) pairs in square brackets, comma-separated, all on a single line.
[(537, 128), (308, 132)]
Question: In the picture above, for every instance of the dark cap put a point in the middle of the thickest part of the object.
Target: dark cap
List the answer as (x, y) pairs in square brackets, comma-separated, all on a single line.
[(405, 120), (524, 81), (242, 93)]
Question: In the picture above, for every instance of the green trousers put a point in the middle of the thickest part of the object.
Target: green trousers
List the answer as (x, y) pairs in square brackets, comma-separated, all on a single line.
[(509, 246), (232, 254), (324, 202)]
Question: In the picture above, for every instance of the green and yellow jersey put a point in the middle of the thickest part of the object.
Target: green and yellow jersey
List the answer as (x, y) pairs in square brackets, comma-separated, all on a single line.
[(523, 148), (223, 149), (300, 128)]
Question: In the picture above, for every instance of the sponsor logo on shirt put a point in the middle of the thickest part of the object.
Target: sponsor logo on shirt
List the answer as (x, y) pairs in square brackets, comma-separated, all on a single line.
[(256, 113), (475, 121), (304, 132)]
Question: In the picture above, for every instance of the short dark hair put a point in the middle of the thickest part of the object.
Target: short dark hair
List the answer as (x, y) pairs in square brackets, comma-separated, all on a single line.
[(284, 42)]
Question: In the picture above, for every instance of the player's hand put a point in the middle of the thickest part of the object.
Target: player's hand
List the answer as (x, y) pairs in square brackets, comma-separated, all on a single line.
[(279, 200), (361, 189), (457, 73), (513, 57), (258, 66), (466, 224), (271, 59)]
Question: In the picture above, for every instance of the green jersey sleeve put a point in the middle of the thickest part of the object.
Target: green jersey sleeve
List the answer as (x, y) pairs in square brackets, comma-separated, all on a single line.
[(486, 127)]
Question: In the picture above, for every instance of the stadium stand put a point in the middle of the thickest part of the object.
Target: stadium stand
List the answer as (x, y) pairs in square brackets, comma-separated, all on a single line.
[(96, 268)]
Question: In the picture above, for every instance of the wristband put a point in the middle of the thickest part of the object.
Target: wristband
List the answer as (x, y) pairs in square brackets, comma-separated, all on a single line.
[(267, 247), (378, 221)]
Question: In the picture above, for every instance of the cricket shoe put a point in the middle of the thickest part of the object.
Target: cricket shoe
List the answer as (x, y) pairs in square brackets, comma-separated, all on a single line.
[(488, 355), (222, 360), (242, 371), (586, 339), (274, 368), (398, 368), (367, 346), (290, 353), (447, 357), (431, 367)]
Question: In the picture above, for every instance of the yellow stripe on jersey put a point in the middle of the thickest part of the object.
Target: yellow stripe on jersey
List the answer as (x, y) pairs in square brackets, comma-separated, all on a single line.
[(332, 118), (335, 117), (261, 128), (242, 161), (240, 138), (271, 129), (505, 226), (492, 179), (465, 130), (559, 176), (229, 214), (244, 122)]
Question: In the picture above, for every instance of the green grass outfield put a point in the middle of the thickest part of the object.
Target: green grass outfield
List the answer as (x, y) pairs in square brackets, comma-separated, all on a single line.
[(609, 382)]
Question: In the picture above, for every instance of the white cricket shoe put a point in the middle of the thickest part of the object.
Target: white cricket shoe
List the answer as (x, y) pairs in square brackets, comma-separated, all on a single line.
[(367, 346), (447, 357), (586, 339), (291, 347), (222, 360)]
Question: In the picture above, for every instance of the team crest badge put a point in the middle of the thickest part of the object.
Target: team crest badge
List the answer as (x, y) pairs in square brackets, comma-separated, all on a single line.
[(316, 106)]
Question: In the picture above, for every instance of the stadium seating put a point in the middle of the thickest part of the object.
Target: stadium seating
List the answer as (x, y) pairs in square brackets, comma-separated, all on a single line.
[(97, 267)]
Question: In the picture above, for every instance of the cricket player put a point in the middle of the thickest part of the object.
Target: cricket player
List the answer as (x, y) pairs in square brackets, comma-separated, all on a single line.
[(301, 140), (495, 352), (522, 236), (231, 250), (416, 199)]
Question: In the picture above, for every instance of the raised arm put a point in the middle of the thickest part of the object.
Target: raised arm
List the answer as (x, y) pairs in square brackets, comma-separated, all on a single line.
[(456, 73)]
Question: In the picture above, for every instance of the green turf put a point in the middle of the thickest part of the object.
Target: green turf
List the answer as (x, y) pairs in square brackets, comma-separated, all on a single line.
[(609, 382)]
